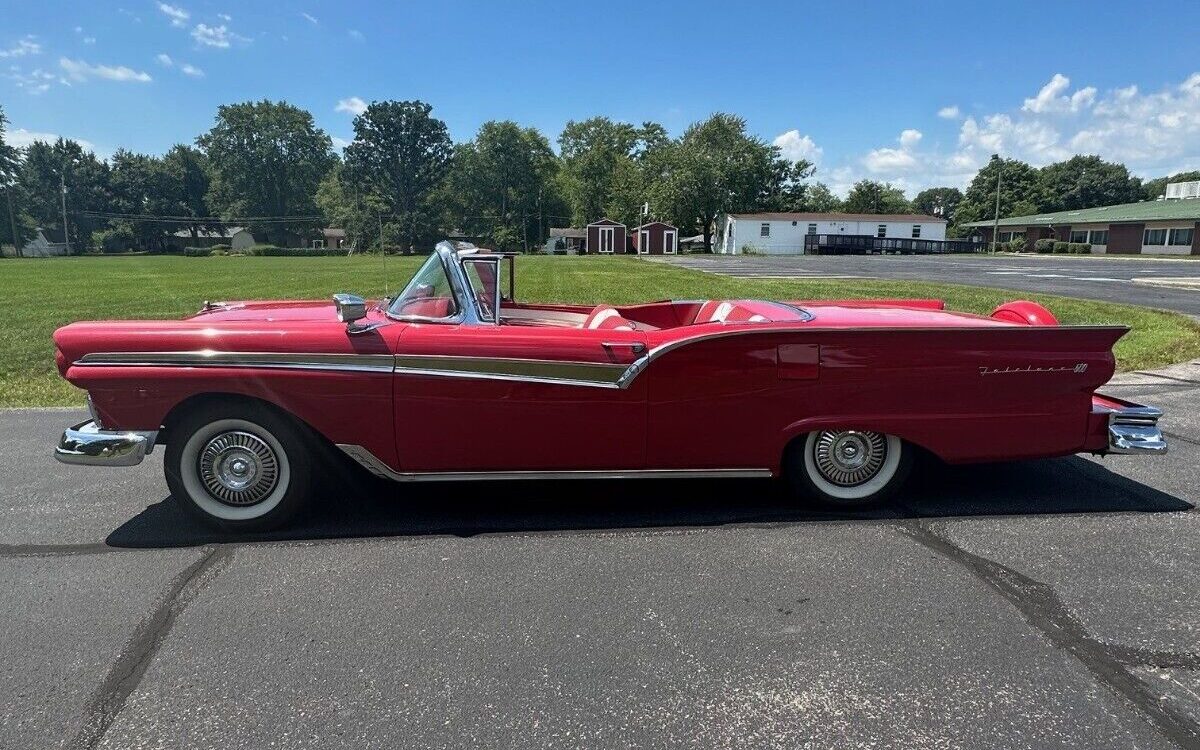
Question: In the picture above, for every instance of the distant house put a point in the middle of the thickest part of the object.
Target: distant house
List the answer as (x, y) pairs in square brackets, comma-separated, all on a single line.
[(1170, 226), (787, 233), (568, 240), (237, 238), (45, 243), (689, 244), (330, 237), (606, 237), (656, 238)]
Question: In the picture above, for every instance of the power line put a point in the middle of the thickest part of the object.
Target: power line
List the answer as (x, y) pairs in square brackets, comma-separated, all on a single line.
[(199, 219)]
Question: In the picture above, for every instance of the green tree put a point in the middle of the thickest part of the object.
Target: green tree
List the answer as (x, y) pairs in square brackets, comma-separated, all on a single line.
[(401, 154), (1087, 182), (46, 170), (10, 169), (500, 183), (1157, 188), (1020, 191), (871, 197), (134, 182), (182, 187), (345, 203), (267, 160), (938, 201), (595, 154), (814, 197), (716, 168)]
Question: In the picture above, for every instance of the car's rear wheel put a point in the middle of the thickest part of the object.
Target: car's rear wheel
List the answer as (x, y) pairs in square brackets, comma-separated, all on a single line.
[(238, 468), (848, 468)]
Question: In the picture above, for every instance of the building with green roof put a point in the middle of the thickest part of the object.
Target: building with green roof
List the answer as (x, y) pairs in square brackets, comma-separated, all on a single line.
[(1164, 226)]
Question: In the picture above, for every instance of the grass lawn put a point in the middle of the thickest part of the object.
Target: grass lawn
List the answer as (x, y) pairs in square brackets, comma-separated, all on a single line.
[(41, 294)]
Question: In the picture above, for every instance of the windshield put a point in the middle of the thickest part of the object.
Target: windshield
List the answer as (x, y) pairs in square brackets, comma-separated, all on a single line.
[(428, 294)]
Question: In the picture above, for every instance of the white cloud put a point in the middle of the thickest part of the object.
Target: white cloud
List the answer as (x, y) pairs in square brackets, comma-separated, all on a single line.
[(179, 17), (310, 18), (191, 70), (79, 70), (795, 147), (89, 40), (340, 143), (27, 45), (910, 138), (353, 105), (21, 138), (35, 82), (225, 17), (1053, 97), (216, 36), (883, 160), (950, 112), (356, 35), (165, 60)]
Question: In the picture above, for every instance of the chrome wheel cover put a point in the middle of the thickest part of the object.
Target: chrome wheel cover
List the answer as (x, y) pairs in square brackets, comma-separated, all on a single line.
[(238, 468), (849, 458)]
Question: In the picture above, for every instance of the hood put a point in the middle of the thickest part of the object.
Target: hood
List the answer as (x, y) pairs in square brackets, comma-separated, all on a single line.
[(267, 311)]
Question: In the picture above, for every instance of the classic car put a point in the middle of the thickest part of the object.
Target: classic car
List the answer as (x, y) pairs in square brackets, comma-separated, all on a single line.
[(455, 380)]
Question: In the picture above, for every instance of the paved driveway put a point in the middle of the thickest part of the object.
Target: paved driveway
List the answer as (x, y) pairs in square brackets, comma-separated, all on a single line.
[(1167, 284), (1046, 603)]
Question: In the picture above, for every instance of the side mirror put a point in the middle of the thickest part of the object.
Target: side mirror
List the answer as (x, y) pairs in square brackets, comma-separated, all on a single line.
[(350, 307)]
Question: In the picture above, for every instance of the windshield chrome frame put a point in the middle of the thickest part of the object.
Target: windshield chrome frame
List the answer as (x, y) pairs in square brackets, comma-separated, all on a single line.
[(464, 313)]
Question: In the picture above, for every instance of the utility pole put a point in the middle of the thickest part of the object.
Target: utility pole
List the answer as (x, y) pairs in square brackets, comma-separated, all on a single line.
[(382, 254), (996, 220), (62, 182)]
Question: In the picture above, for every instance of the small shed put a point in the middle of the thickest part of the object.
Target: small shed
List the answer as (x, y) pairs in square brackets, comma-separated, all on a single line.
[(606, 237), (238, 238), (656, 238)]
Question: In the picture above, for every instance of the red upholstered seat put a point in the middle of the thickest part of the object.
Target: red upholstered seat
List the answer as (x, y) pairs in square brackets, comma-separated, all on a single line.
[(717, 311), (607, 317)]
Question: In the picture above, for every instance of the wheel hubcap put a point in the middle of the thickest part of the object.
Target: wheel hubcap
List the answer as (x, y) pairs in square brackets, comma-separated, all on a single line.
[(238, 468), (848, 458)]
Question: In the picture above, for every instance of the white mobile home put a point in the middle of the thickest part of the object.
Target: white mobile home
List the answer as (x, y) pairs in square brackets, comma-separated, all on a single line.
[(785, 233)]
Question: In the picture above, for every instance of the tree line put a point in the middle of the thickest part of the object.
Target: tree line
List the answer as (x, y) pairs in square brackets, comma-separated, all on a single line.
[(402, 183)]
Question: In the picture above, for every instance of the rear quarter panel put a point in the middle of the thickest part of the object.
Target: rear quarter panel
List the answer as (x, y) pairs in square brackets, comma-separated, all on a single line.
[(735, 401)]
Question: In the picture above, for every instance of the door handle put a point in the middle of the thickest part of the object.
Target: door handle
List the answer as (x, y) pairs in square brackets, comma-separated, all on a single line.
[(636, 347)]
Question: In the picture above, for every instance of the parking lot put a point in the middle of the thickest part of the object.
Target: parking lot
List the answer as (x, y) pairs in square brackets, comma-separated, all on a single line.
[(1035, 604), (1168, 284)]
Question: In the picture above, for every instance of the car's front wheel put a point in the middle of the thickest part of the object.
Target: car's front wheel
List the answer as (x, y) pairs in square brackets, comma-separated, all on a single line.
[(238, 468), (848, 468)]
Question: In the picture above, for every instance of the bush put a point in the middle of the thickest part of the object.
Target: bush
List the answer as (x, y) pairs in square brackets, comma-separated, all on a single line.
[(1017, 245), (1079, 248), (294, 252), (115, 240), (1061, 247), (197, 252), (1044, 246)]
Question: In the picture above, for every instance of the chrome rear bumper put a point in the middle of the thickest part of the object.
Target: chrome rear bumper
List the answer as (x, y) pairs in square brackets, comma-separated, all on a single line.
[(1134, 429), (87, 445)]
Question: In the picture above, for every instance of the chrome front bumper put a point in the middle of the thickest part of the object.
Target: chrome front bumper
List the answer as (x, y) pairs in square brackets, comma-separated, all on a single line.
[(87, 445), (1134, 429)]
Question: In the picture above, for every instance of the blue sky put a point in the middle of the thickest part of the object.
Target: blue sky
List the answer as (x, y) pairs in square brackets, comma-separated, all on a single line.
[(918, 94)]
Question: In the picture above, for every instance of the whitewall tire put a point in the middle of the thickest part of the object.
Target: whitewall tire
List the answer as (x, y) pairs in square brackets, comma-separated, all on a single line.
[(238, 468), (848, 468)]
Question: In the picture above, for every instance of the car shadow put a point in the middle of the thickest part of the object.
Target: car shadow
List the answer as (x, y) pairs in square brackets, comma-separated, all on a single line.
[(364, 507)]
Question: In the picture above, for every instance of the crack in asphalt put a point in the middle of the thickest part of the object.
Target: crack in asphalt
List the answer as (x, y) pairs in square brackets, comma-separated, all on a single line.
[(131, 665), (1177, 436), (1042, 608), (55, 550)]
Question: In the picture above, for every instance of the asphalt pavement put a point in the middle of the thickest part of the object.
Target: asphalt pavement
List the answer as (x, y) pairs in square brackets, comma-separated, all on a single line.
[(1168, 284), (1037, 604)]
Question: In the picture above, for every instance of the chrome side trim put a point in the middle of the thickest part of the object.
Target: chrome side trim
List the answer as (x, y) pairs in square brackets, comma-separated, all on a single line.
[(1134, 430), (86, 444), (639, 366), (371, 463), (552, 372), (265, 360)]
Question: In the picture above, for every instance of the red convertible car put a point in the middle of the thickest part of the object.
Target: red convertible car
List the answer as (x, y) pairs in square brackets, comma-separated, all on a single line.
[(454, 379)]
